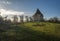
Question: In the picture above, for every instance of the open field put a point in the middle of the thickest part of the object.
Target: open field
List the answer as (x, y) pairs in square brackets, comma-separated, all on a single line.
[(31, 31)]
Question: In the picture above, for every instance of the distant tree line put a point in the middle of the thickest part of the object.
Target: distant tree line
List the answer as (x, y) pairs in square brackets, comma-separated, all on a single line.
[(3, 20), (54, 19)]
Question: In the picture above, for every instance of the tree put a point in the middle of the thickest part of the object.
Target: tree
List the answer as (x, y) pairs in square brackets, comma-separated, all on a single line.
[(31, 19), (9, 21), (54, 19), (6, 17), (21, 18), (15, 19), (26, 18), (1, 19)]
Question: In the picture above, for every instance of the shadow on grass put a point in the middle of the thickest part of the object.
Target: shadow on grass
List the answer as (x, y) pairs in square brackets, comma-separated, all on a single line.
[(25, 34)]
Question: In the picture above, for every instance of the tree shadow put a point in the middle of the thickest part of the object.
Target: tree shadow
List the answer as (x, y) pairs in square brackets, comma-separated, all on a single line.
[(26, 34), (39, 25)]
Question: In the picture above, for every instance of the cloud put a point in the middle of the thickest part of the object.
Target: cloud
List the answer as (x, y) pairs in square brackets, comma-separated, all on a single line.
[(4, 11), (5, 2), (0, 6), (10, 12)]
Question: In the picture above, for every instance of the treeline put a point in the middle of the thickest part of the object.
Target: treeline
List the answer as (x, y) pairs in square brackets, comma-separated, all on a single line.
[(53, 19), (4, 20)]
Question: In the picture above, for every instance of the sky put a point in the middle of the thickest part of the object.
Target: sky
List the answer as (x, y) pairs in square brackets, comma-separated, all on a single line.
[(49, 8)]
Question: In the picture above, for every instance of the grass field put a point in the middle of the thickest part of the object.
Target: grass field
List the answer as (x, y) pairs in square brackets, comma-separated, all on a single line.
[(31, 31)]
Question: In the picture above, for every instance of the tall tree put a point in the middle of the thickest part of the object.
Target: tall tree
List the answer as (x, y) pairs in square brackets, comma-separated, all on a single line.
[(26, 18), (1, 18), (5, 18), (15, 19), (31, 19), (21, 18)]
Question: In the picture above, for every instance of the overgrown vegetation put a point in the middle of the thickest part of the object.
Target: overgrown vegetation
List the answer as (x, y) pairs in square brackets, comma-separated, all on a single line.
[(29, 32)]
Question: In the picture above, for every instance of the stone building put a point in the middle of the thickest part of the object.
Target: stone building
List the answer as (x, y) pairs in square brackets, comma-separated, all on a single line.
[(38, 16)]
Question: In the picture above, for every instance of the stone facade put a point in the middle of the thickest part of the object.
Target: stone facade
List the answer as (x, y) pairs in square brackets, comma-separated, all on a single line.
[(38, 16)]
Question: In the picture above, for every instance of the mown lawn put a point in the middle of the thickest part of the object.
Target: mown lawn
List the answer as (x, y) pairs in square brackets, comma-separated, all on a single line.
[(31, 31)]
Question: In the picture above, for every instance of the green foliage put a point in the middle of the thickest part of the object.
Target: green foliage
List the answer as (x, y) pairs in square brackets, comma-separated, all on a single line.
[(54, 19), (29, 32)]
